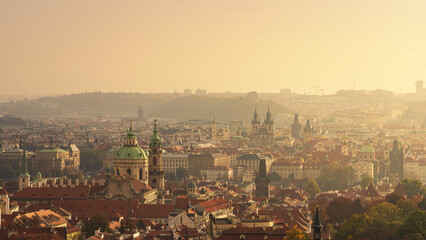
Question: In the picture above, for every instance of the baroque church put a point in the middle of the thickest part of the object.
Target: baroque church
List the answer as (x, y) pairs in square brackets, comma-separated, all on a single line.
[(136, 174), (262, 133)]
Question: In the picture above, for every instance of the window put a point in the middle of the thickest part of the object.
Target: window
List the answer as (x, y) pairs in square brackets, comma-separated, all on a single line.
[(140, 174), (154, 180), (129, 171), (154, 161)]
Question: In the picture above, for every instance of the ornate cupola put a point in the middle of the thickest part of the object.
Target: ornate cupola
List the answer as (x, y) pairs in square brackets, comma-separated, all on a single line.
[(131, 160)]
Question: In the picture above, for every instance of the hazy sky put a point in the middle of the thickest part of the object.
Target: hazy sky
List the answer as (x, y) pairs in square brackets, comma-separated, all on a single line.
[(237, 45)]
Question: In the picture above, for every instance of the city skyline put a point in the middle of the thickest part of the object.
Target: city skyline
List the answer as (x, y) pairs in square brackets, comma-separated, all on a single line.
[(145, 46)]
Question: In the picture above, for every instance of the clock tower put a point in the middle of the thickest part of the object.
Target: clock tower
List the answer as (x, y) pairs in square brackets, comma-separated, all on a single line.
[(156, 171)]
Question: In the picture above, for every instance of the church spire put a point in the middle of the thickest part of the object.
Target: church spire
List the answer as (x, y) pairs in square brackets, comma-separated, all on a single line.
[(24, 163), (317, 226), (155, 139)]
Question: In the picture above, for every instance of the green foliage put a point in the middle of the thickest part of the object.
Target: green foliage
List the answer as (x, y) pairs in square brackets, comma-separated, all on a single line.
[(335, 177), (385, 214), (354, 226), (422, 203), (312, 188), (295, 234), (407, 206), (91, 159), (99, 221), (414, 226), (75, 175), (339, 209), (181, 173), (7, 172), (170, 176), (393, 198), (276, 178), (413, 187), (366, 181)]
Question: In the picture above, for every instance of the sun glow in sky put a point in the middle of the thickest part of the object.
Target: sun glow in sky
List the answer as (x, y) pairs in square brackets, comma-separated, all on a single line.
[(221, 45)]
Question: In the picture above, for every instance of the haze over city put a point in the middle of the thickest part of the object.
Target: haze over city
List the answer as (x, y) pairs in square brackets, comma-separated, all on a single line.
[(212, 120), (61, 47)]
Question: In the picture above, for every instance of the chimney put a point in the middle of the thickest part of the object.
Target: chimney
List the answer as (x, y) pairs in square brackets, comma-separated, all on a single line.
[(93, 181), (77, 182), (69, 182), (61, 181), (85, 182)]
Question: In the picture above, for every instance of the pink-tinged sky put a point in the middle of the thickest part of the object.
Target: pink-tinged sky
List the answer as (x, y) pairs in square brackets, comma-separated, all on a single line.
[(68, 46)]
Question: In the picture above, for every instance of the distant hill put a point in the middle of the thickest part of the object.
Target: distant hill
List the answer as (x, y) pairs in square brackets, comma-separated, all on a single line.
[(171, 106)]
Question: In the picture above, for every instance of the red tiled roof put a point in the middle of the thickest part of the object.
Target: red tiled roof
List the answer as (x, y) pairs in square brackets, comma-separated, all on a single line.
[(153, 210), (52, 193)]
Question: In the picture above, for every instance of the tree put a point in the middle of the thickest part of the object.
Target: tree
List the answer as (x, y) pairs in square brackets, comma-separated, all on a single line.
[(422, 203), (414, 225), (339, 209), (407, 206), (413, 187), (393, 198), (354, 226), (385, 213), (295, 234), (181, 173), (74, 175), (366, 181), (140, 225), (99, 221), (170, 176), (335, 177), (91, 159), (7, 172), (312, 188), (276, 178)]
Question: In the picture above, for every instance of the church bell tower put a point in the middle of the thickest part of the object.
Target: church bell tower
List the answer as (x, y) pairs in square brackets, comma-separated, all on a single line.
[(156, 171)]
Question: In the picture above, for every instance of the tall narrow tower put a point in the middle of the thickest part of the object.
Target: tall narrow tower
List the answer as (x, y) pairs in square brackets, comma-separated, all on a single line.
[(24, 177), (141, 117), (296, 127), (316, 226), (156, 172), (263, 186), (214, 129), (269, 125), (255, 124)]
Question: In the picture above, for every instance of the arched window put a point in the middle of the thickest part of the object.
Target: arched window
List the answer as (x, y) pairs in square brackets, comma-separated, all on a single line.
[(129, 171), (140, 174), (118, 172), (154, 161), (154, 180)]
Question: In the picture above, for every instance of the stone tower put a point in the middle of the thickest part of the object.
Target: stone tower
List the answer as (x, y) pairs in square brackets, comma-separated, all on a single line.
[(308, 131), (296, 127), (269, 125), (156, 171), (141, 117), (263, 186), (316, 226), (396, 157), (131, 159), (255, 124), (214, 129), (24, 177)]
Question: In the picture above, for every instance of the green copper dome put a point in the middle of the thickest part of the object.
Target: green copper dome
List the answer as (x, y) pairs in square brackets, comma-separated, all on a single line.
[(130, 150), (131, 153), (366, 149), (192, 184)]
